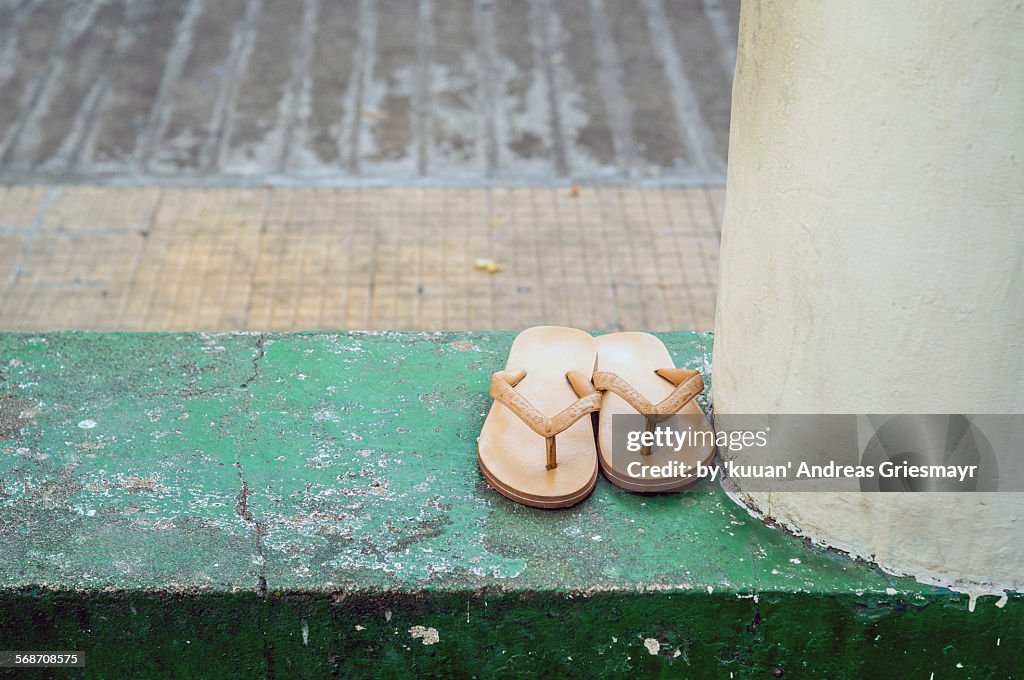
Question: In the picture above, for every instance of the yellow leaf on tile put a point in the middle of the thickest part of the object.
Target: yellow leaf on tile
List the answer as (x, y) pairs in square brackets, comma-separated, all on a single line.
[(488, 265)]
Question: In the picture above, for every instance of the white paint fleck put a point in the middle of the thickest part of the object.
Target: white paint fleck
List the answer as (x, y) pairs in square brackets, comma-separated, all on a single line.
[(677, 654), (959, 665), (653, 646), (87, 424), (710, 590), (358, 627), (305, 633), (1001, 602), (890, 591), (795, 560), (429, 636), (596, 538), (387, 615)]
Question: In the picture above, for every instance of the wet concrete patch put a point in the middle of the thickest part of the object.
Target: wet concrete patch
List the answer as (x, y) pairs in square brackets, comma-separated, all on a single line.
[(364, 93)]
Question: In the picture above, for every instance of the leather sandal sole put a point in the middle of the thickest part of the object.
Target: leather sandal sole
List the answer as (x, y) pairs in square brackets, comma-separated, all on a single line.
[(640, 366), (539, 393)]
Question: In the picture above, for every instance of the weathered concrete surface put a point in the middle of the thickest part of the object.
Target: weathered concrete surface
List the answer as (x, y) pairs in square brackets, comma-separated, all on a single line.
[(365, 91), (310, 503)]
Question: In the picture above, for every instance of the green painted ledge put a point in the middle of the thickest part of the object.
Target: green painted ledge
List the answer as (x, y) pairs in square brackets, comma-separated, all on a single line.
[(295, 505)]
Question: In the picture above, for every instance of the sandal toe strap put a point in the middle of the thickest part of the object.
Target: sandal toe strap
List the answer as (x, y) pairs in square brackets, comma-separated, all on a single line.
[(503, 391), (688, 385)]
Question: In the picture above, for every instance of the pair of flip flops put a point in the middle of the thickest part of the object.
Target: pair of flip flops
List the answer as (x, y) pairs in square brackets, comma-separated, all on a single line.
[(537, 446)]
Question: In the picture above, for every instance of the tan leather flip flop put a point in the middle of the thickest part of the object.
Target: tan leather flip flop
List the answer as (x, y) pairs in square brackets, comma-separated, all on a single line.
[(636, 374), (536, 446)]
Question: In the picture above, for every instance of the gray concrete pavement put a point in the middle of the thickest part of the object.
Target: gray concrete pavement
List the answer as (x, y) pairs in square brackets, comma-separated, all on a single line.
[(365, 92)]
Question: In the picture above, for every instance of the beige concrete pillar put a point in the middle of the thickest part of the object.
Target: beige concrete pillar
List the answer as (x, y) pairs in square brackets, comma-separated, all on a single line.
[(873, 252)]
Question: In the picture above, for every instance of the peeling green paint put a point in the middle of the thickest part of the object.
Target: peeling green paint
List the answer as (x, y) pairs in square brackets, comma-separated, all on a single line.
[(242, 482), (528, 634)]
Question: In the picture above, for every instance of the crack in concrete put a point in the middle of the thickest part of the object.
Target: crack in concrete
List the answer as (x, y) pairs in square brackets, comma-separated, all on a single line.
[(243, 510), (260, 353), (242, 498)]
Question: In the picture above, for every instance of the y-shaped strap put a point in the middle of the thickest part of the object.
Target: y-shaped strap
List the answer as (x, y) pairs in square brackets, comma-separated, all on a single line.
[(688, 385), (503, 391)]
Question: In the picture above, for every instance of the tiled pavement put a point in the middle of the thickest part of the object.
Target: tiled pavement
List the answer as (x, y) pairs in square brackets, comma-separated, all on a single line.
[(139, 140), (324, 258)]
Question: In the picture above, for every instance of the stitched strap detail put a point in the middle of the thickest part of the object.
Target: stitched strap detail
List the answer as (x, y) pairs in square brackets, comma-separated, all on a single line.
[(688, 385), (503, 391)]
